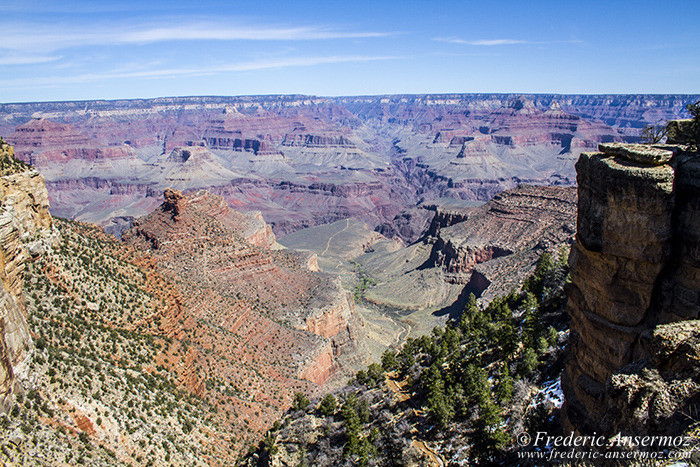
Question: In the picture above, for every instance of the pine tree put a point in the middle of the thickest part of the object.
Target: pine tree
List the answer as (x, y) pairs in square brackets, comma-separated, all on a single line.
[(328, 405), (507, 339), (300, 402), (348, 412), (532, 327), (504, 388), (440, 407), (389, 362), (528, 363), (375, 375), (470, 309)]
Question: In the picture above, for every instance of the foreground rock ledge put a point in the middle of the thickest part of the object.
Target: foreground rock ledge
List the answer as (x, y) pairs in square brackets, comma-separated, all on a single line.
[(635, 265)]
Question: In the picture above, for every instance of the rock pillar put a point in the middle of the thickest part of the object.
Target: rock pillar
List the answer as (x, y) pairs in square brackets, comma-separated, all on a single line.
[(635, 264)]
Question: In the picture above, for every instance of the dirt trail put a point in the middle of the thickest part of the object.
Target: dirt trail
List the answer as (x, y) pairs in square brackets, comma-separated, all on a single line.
[(328, 245), (398, 393), (433, 457), (406, 328), (396, 387)]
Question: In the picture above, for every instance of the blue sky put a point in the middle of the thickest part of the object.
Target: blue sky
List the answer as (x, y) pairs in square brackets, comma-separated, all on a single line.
[(67, 50)]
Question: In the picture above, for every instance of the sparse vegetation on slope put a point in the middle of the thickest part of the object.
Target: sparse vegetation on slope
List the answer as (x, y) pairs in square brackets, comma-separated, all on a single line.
[(107, 389), (460, 393), (9, 164), (364, 281)]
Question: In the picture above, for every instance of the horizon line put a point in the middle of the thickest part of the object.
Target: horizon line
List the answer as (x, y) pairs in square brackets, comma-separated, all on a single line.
[(341, 96)]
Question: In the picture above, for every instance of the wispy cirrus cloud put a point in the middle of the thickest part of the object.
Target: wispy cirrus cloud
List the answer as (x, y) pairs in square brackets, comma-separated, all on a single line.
[(495, 42), (160, 73), (46, 38), (74, 6), (26, 59)]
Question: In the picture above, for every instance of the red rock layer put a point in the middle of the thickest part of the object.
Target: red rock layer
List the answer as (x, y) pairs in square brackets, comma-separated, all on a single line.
[(525, 218), (234, 281)]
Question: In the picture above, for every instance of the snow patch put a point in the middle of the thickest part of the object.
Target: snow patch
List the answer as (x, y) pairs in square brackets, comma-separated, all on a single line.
[(550, 393)]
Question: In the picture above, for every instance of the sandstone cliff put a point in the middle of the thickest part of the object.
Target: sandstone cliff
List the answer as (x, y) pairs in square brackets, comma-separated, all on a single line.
[(25, 224), (635, 264)]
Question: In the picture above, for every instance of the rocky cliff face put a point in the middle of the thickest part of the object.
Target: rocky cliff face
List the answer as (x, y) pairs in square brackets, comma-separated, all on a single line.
[(635, 265), (656, 396), (25, 225)]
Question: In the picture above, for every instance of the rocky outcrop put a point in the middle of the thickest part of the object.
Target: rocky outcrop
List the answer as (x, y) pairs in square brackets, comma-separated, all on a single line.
[(319, 368), (25, 228), (635, 264), (482, 248), (409, 225), (447, 213), (333, 317), (496, 240), (317, 141), (254, 145), (232, 280), (656, 396), (250, 225)]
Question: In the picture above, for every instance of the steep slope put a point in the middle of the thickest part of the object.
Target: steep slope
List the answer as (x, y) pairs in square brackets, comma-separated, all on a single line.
[(126, 370), (106, 384), (498, 241), (222, 259), (25, 226)]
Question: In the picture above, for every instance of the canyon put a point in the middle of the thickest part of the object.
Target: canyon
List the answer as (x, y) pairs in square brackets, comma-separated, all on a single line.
[(304, 160), (197, 301), (623, 353), (487, 249), (273, 245)]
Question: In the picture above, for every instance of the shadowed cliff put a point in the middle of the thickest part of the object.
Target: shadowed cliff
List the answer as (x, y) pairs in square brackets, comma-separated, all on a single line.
[(635, 266)]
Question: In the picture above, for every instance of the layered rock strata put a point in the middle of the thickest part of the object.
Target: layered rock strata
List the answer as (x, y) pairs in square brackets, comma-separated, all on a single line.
[(635, 264), (223, 261), (25, 224), (477, 245), (107, 162)]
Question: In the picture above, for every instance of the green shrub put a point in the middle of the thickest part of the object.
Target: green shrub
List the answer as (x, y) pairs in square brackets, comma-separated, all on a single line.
[(328, 406), (300, 402), (686, 131)]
